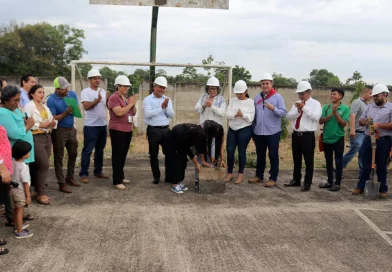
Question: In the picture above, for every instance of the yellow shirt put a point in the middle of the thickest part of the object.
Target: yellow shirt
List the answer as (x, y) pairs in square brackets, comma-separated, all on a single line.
[(44, 115)]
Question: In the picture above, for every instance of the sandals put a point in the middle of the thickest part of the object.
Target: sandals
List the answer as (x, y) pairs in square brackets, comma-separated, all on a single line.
[(3, 242), (3, 251), (44, 200), (227, 179), (239, 180)]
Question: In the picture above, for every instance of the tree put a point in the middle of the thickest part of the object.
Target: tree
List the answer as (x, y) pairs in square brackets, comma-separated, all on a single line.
[(40, 49), (355, 78), (110, 75), (189, 73), (241, 73), (323, 78), (280, 80)]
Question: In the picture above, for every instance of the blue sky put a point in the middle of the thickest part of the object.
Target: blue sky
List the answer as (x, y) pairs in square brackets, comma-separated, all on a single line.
[(288, 37)]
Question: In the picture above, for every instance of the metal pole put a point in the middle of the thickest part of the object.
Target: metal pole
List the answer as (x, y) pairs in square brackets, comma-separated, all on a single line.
[(153, 44), (73, 77), (230, 81)]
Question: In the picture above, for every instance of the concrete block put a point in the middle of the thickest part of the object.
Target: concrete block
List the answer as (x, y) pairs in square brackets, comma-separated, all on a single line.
[(211, 180)]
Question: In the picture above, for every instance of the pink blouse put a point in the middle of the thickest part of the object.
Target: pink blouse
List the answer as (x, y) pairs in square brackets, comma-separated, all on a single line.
[(120, 123), (5, 149)]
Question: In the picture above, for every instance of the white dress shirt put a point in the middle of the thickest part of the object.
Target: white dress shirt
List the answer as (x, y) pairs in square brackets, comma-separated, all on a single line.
[(310, 117), (154, 115), (247, 108), (32, 111), (214, 113)]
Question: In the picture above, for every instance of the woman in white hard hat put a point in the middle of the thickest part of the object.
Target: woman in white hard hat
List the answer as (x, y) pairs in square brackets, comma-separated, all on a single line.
[(241, 112), (121, 110), (211, 105)]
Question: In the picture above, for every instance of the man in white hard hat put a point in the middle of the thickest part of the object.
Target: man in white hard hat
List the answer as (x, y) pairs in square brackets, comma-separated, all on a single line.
[(357, 132), (158, 110), (93, 99), (305, 115), (270, 109), (381, 113)]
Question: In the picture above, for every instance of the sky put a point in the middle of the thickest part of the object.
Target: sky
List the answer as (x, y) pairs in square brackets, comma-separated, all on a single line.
[(287, 37)]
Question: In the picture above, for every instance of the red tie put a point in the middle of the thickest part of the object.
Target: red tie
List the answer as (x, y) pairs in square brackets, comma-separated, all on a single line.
[(298, 121)]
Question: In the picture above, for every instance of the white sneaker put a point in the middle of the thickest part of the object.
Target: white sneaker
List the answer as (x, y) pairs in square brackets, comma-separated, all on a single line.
[(120, 187), (177, 190), (183, 187), (126, 181)]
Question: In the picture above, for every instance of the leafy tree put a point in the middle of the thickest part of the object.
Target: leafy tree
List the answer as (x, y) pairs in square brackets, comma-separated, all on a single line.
[(358, 90), (354, 79), (323, 78), (280, 80), (110, 75), (84, 69), (189, 73), (208, 61), (40, 49), (241, 73), (137, 78)]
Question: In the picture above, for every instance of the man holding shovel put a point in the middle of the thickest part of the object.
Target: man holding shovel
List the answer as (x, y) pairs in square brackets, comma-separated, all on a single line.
[(381, 114)]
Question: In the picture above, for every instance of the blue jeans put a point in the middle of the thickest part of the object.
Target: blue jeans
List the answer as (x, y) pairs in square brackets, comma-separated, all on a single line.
[(240, 138), (383, 147), (272, 143), (94, 138), (355, 147)]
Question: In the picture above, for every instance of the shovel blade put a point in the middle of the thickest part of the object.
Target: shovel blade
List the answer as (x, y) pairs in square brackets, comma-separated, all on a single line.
[(372, 189)]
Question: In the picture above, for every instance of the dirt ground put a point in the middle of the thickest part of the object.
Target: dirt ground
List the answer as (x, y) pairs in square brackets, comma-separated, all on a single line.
[(248, 228)]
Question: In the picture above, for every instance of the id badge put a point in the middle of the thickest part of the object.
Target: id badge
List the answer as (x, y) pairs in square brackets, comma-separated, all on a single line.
[(129, 119)]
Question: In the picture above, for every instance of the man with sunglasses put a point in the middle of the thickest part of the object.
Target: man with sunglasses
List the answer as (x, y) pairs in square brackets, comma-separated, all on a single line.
[(381, 114), (305, 115), (93, 99)]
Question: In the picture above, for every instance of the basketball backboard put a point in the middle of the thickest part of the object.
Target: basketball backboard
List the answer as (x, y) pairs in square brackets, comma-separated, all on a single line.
[(208, 4)]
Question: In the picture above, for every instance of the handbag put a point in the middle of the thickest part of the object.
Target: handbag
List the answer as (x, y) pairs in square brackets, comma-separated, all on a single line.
[(321, 144)]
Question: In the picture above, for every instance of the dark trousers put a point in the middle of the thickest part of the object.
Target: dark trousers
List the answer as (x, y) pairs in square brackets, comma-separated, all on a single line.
[(383, 147), (64, 138), (237, 138), (120, 145), (303, 144), (94, 138), (40, 167), (158, 137), (271, 142), (329, 150), (6, 200)]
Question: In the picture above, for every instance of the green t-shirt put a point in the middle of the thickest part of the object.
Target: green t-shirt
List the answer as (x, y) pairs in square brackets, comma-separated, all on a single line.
[(332, 131)]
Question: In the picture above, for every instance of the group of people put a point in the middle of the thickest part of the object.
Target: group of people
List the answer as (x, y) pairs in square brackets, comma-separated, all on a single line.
[(31, 124)]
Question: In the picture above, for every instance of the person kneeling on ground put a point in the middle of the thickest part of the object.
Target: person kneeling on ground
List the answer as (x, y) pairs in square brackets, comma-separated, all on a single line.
[(180, 143)]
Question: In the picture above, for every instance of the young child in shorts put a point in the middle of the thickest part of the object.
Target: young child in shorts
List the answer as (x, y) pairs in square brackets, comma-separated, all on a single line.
[(20, 196)]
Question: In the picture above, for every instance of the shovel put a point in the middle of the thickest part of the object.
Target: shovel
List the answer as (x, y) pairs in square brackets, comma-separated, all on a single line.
[(372, 186)]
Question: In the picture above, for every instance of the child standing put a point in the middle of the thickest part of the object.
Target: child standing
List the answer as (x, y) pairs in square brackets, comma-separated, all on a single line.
[(20, 196)]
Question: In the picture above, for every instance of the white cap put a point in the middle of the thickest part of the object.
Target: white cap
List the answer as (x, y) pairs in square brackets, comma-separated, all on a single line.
[(93, 73), (380, 88), (240, 86), (213, 81), (267, 76), (161, 81), (122, 80), (303, 86)]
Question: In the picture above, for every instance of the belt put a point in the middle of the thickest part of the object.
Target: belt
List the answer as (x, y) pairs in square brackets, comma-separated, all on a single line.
[(159, 126), (40, 134), (300, 133), (359, 131), (64, 128)]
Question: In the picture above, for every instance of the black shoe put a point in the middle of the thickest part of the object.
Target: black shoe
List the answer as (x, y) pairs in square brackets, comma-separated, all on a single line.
[(305, 188), (155, 181), (293, 183), (168, 181), (325, 185), (335, 188)]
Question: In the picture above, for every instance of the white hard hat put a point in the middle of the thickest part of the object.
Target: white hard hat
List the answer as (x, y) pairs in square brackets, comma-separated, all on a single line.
[(240, 86), (213, 81), (161, 81), (303, 86), (122, 80), (380, 88), (267, 76), (93, 73)]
